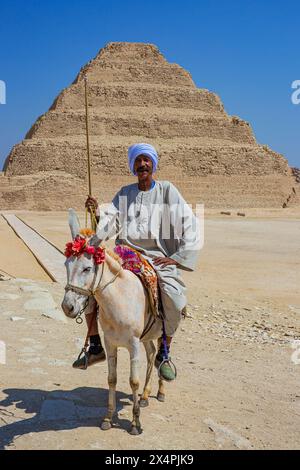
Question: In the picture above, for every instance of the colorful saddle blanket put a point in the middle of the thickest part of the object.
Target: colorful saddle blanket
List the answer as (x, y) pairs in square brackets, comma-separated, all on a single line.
[(136, 263)]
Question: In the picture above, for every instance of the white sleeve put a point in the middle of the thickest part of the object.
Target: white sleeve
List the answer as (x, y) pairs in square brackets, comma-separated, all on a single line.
[(108, 219)]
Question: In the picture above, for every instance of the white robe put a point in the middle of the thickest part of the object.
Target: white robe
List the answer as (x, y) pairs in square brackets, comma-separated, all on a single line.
[(157, 223)]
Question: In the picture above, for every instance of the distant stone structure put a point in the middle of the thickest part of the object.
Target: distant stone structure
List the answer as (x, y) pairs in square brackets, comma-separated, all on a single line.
[(296, 173), (136, 95)]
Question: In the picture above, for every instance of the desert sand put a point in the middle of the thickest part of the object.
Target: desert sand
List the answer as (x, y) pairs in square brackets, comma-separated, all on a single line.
[(236, 355)]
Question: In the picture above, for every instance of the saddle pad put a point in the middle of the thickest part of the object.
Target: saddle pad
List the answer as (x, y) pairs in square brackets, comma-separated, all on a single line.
[(136, 263)]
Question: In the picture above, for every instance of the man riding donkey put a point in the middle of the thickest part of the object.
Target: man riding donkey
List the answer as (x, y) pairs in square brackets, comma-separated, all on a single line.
[(156, 222)]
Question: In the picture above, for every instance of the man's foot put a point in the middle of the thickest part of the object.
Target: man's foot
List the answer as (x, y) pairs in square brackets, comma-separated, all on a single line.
[(165, 370), (89, 359), (94, 355)]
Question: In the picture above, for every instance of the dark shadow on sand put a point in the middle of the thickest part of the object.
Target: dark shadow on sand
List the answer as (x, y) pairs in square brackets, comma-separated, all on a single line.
[(56, 410)]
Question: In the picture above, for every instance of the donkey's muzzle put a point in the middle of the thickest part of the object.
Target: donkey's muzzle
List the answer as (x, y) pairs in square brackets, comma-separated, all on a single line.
[(68, 309)]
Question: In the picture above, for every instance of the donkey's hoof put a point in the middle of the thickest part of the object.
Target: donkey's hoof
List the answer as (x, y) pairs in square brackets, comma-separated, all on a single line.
[(144, 402), (160, 396), (105, 425), (135, 431)]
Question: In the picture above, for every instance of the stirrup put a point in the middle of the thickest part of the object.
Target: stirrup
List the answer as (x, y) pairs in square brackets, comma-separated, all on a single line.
[(86, 357), (172, 366)]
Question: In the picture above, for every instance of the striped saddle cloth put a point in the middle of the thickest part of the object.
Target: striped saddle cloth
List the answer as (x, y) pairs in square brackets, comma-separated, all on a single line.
[(136, 263)]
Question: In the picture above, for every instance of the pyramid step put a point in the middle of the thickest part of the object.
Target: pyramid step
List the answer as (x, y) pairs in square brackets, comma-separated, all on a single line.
[(58, 191), (136, 94), (105, 71), (57, 124), (199, 157)]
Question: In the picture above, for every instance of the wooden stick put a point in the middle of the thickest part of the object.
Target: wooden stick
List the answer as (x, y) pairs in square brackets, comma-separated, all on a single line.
[(92, 215), (87, 137)]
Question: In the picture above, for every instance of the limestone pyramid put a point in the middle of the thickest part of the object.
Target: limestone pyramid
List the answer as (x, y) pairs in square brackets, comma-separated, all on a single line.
[(135, 95)]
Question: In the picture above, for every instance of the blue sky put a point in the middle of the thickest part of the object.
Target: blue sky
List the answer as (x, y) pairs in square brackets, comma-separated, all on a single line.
[(247, 51)]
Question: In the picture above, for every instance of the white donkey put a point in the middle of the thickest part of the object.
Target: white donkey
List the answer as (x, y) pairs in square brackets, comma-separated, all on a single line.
[(123, 315)]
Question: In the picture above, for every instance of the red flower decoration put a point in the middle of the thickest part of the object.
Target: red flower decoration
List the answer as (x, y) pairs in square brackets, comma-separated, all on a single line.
[(80, 245), (68, 250), (90, 250), (99, 256)]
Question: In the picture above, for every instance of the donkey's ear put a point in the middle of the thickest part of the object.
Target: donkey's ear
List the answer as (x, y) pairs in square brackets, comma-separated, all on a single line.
[(74, 223), (94, 241)]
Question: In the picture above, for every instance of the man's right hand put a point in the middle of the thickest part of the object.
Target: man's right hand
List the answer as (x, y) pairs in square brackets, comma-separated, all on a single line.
[(91, 204)]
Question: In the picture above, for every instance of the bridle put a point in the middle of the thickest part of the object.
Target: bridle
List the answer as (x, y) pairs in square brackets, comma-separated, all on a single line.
[(95, 286)]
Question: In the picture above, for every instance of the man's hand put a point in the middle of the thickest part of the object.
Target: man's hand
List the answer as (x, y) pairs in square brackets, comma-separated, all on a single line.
[(92, 204), (164, 261)]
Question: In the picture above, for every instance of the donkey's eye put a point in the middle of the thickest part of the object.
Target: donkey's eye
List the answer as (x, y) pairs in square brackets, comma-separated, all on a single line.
[(87, 270)]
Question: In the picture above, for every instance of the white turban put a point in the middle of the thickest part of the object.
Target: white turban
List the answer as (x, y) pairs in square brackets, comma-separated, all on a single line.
[(142, 149)]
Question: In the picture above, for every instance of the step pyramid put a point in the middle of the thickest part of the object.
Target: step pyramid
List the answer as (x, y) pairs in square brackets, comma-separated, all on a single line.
[(135, 95)]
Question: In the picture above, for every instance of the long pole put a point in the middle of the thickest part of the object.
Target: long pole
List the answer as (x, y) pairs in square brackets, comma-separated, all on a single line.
[(87, 136), (92, 212)]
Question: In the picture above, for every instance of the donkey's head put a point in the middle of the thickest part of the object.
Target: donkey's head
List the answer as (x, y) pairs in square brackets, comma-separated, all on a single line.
[(83, 258)]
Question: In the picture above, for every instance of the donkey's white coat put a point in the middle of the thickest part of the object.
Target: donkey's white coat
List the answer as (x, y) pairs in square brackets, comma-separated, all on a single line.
[(123, 314)]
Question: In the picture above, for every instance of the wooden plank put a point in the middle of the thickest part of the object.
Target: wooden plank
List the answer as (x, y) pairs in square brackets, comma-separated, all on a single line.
[(49, 257)]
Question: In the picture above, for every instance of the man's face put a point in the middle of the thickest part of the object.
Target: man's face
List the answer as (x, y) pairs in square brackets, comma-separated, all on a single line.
[(143, 167)]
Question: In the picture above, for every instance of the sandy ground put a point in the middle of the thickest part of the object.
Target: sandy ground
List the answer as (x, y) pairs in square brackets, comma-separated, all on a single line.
[(237, 356)]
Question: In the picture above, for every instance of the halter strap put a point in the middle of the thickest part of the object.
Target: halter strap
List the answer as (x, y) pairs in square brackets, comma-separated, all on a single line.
[(88, 292), (91, 292), (78, 290)]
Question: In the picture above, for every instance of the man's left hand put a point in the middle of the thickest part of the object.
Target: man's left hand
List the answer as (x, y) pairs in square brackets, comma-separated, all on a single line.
[(164, 261)]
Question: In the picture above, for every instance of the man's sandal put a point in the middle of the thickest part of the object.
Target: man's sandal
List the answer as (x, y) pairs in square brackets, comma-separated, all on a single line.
[(89, 359)]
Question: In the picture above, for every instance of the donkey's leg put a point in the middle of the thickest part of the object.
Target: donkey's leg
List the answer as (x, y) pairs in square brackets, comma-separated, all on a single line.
[(134, 351), (150, 351), (112, 382), (161, 390)]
